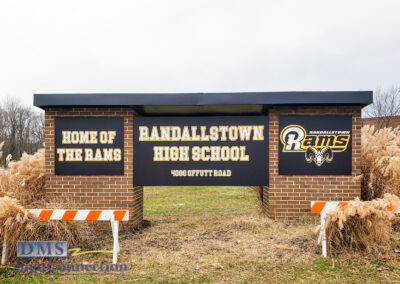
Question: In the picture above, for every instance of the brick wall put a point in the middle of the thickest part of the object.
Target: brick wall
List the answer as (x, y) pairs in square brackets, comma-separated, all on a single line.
[(96, 192), (289, 196)]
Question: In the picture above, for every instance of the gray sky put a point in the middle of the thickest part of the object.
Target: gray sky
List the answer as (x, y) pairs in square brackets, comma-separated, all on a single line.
[(197, 46)]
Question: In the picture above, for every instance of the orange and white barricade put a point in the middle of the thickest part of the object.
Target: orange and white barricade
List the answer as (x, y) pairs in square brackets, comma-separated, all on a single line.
[(326, 207), (114, 216)]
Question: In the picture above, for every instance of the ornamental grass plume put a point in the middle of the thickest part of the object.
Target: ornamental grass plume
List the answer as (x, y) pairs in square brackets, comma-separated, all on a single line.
[(362, 226), (17, 225), (22, 186), (380, 162), (366, 226), (24, 179)]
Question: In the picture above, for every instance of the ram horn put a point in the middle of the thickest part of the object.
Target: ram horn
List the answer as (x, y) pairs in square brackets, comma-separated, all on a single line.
[(327, 154), (311, 152)]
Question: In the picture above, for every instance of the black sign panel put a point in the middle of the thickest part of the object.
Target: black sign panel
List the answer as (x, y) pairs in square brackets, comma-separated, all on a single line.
[(315, 145), (89, 146), (220, 150)]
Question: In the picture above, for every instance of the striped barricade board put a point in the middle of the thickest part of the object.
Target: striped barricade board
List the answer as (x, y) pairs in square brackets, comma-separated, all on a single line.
[(80, 215), (113, 216)]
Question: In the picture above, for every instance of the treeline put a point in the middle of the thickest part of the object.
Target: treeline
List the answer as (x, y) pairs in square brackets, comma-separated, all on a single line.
[(21, 129)]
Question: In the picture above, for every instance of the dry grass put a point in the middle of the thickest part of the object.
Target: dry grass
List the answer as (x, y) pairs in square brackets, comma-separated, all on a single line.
[(24, 179), (176, 241), (365, 227), (18, 225), (380, 162), (209, 238), (188, 239), (209, 248), (22, 186)]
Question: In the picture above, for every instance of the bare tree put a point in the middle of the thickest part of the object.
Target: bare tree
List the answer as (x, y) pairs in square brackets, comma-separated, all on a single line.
[(385, 107), (21, 129)]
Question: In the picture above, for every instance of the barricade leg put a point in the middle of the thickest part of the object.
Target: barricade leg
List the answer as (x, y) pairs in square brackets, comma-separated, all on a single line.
[(4, 252), (115, 228), (322, 234)]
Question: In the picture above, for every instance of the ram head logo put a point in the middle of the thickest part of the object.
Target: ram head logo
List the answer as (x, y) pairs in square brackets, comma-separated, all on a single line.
[(319, 156)]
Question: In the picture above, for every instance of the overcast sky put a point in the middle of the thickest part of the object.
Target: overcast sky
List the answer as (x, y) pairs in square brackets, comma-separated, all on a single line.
[(197, 46)]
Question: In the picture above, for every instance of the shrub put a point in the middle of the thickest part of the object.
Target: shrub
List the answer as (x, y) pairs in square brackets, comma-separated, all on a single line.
[(380, 162), (362, 226), (22, 186), (18, 225), (24, 179)]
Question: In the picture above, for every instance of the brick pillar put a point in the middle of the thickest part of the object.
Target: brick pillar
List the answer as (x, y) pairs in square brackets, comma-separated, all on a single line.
[(289, 196), (98, 191)]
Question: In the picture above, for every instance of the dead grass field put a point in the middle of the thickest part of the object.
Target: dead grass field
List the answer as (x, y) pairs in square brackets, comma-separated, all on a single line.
[(217, 235)]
